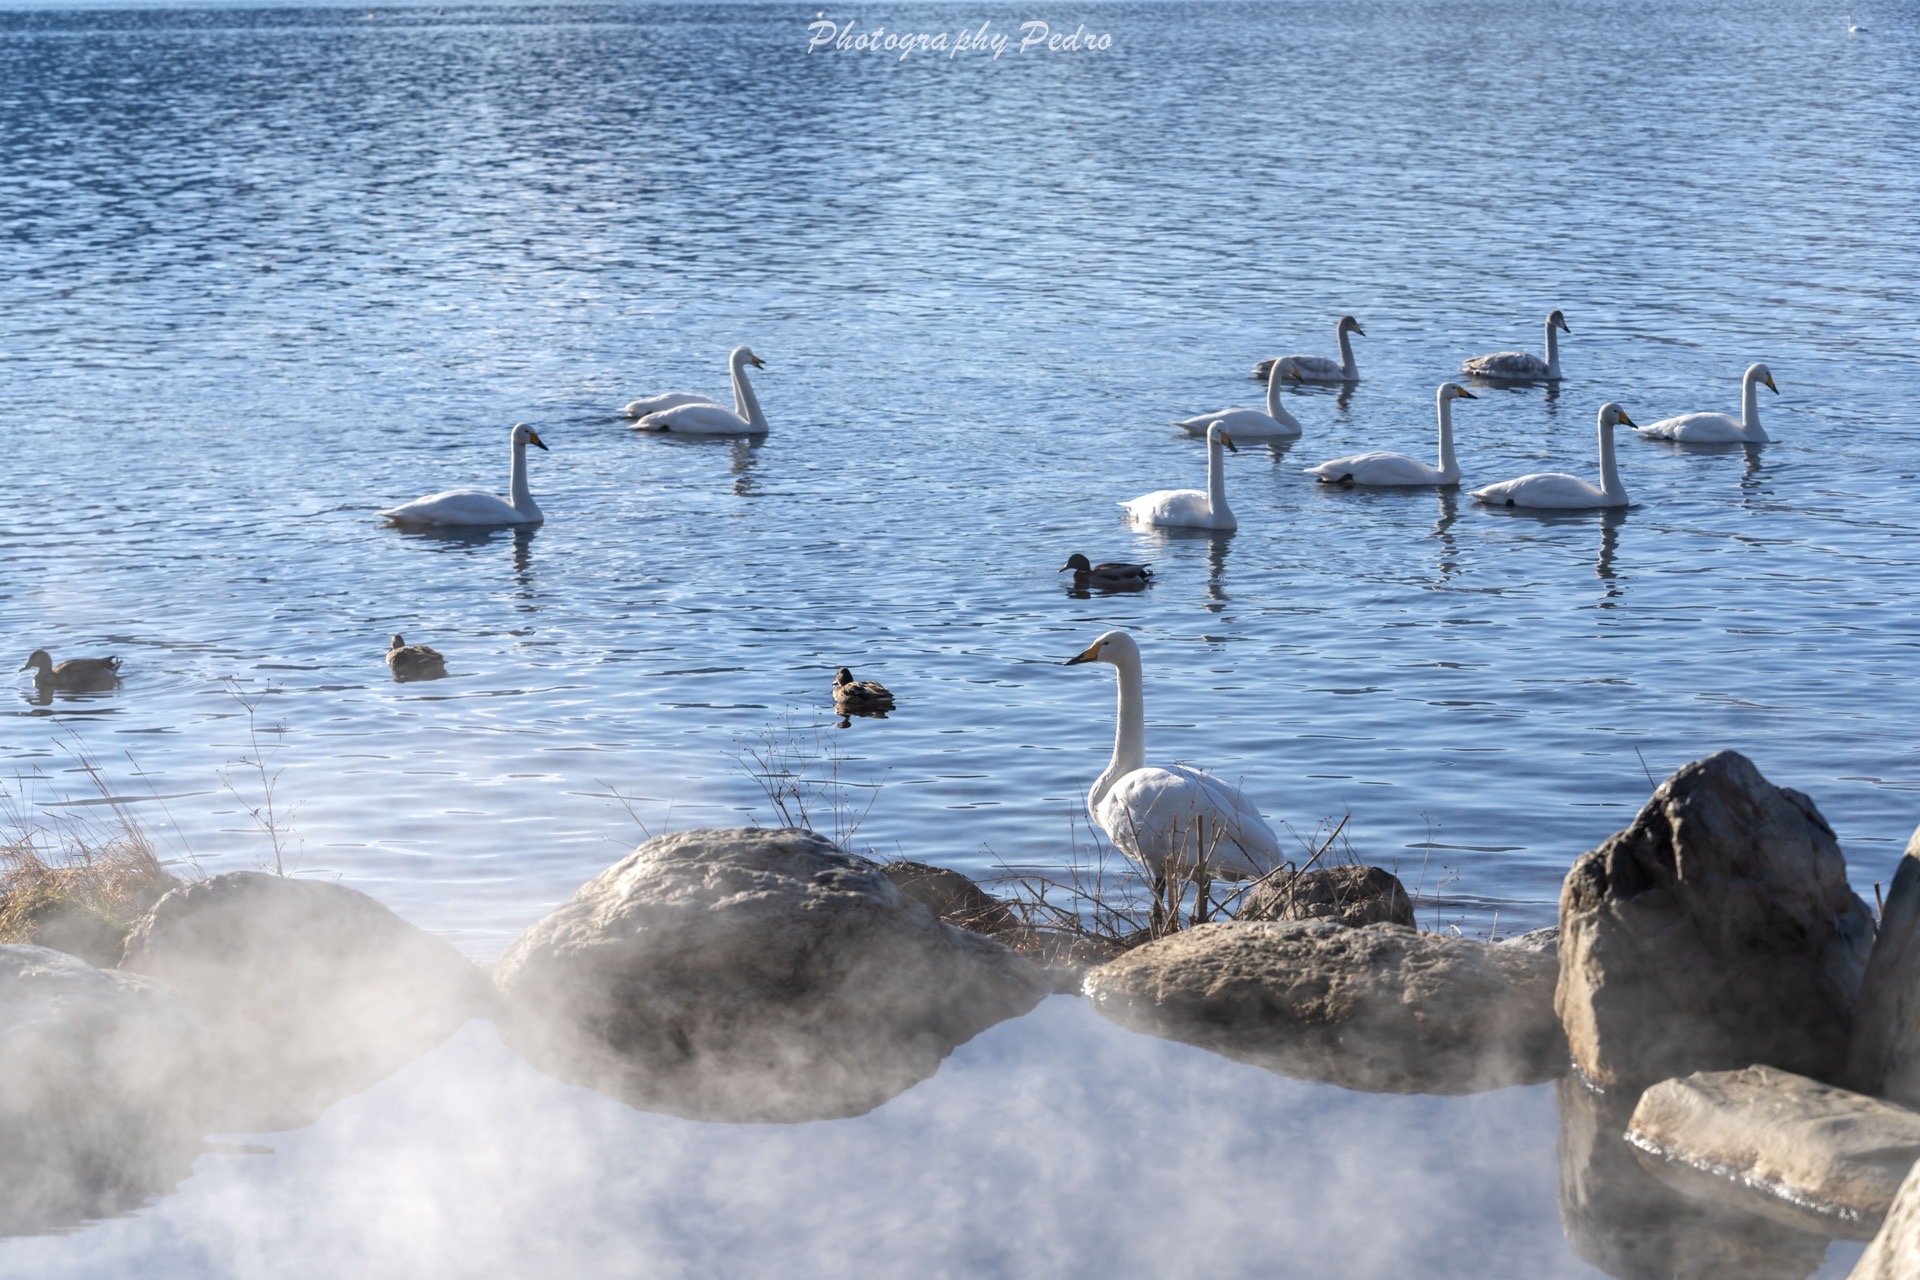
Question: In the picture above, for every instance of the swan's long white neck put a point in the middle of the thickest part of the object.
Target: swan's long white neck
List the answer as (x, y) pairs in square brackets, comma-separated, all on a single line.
[(1217, 478), (744, 402), (1609, 471), (1449, 467), (1750, 406), (1553, 350), (517, 492), (1345, 337), (1130, 733), (1276, 410)]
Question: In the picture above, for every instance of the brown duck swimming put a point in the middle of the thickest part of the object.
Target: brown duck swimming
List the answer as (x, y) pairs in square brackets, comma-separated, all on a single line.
[(1114, 575), (859, 697), (414, 661), (74, 674)]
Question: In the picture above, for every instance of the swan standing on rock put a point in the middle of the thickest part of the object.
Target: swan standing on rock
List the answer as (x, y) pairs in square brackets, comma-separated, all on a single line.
[(1554, 491), (1189, 508), (1321, 368), (1174, 820), (476, 508), (1720, 428), (1522, 366), (1397, 468), (1275, 423), (703, 417)]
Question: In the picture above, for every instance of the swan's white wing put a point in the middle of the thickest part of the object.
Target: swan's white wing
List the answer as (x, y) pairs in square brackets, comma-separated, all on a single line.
[(1166, 816), (1251, 423), (1177, 508), (1549, 490), (1317, 368), (1506, 364), (1698, 428), (698, 419), (1382, 468), (661, 403), (457, 507)]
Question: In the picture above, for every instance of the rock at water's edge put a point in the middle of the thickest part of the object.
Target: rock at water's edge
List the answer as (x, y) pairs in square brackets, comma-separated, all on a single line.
[(1784, 1145), (1885, 1055), (752, 975), (1381, 1008), (309, 990), (1353, 895), (1715, 932), (1895, 1251)]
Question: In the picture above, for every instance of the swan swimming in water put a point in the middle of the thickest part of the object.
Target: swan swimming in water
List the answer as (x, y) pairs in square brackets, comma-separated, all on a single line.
[(1189, 508), (1275, 423), (674, 399), (1720, 428), (1386, 469), (1555, 491), (1522, 366), (703, 417), (473, 508), (1322, 368), (1169, 819)]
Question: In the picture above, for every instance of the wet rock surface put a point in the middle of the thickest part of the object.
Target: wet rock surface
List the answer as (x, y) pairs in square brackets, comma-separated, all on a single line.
[(309, 990), (1627, 1222), (752, 975), (1780, 1144), (98, 1105), (1715, 932), (1885, 1054), (1353, 896), (1894, 1253), (1381, 1008)]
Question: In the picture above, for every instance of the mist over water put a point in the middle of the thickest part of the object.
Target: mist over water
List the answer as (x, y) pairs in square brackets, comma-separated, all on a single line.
[(269, 270)]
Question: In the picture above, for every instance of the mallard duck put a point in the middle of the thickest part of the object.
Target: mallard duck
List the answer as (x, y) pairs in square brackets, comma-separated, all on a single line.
[(1114, 575), (73, 674), (859, 697), (414, 661)]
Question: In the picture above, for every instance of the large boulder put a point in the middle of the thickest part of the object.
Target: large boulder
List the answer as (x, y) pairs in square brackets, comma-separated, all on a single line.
[(1895, 1251), (1351, 895), (1716, 932), (1885, 1055), (1625, 1221), (309, 990), (1381, 1008), (97, 1090), (752, 975), (1806, 1153)]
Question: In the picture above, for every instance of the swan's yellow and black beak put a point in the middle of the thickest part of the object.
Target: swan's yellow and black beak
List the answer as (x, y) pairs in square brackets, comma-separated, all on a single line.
[(533, 437), (1625, 421), (1461, 393), (1227, 440), (1092, 653), (1768, 379), (757, 362)]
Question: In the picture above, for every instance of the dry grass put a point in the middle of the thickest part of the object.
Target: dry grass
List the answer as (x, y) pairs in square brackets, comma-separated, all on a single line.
[(801, 770), (1103, 903), (86, 877)]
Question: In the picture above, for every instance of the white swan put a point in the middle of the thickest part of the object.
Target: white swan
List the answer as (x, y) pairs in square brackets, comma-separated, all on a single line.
[(1168, 819), (1397, 468), (1189, 508), (1322, 368), (1721, 428), (705, 418), (1555, 491), (674, 399), (1275, 423), (475, 507), (1523, 366)]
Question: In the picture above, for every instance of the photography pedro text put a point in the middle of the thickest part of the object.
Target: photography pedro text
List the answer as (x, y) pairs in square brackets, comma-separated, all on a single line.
[(824, 35)]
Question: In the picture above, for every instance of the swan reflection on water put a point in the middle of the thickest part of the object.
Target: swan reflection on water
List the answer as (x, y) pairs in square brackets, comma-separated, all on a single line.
[(743, 454)]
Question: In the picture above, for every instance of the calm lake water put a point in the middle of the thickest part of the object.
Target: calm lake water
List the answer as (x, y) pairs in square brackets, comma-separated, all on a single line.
[(267, 271)]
